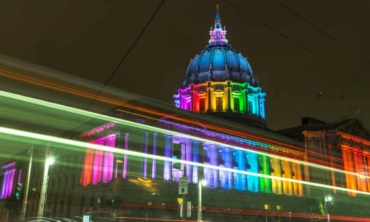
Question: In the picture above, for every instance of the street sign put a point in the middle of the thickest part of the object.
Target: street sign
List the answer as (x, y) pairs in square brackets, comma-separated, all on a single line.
[(86, 218), (183, 185)]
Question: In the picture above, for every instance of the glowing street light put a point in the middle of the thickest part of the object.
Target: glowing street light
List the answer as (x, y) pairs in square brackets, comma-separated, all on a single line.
[(328, 198), (201, 183), (50, 161)]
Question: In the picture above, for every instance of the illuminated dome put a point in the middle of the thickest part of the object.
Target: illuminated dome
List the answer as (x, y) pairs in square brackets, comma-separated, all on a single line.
[(218, 63), (219, 80)]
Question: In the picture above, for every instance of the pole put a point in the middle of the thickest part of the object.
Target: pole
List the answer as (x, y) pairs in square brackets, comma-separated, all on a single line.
[(327, 212), (25, 198), (199, 200), (44, 186), (184, 206)]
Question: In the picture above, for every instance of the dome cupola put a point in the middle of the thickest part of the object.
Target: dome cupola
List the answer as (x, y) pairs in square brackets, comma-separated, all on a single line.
[(220, 80)]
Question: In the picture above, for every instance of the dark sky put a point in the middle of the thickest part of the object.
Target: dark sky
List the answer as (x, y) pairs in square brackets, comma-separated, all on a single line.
[(296, 48)]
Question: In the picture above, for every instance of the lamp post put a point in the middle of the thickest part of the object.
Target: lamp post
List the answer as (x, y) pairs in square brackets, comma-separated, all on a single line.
[(25, 198), (44, 186), (201, 183), (328, 198)]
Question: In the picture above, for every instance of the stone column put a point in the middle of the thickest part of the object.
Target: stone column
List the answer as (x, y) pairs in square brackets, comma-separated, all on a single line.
[(167, 153), (348, 167), (359, 169), (125, 157), (145, 160), (277, 187), (154, 161), (253, 181), (287, 185), (195, 146), (298, 187)]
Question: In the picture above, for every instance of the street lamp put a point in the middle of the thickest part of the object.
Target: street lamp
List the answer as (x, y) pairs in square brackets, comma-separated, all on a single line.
[(50, 161), (201, 183), (25, 198), (328, 198), (44, 186)]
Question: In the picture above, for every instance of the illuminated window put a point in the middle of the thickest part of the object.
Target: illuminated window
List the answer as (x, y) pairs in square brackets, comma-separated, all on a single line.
[(250, 104), (236, 104), (219, 104), (202, 105), (188, 105)]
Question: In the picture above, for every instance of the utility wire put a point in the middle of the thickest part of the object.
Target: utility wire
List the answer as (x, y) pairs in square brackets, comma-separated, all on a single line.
[(322, 31), (127, 53), (296, 43)]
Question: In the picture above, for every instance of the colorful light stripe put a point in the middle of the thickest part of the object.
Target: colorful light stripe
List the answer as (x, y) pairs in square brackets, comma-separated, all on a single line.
[(72, 143), (203, 140)]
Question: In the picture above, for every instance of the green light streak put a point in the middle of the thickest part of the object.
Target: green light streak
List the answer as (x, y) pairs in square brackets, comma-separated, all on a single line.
[(84, 113), (53, 139)]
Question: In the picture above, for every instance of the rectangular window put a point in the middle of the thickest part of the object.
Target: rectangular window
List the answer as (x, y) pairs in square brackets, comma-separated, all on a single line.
[(236, 104), (219, 104), (202, 105), (250, 106)]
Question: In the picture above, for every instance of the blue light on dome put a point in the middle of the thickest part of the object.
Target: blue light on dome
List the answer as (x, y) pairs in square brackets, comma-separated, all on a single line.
[(220, 80)]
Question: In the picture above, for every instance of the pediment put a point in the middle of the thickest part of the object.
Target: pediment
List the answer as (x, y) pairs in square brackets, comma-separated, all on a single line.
[(355, 128)]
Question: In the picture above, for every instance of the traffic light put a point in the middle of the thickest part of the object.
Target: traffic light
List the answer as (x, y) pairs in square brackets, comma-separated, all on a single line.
[(18, 192), (176, 155)]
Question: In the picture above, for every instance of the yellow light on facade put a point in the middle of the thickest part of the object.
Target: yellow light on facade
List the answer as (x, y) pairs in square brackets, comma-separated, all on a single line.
[(267, 207)]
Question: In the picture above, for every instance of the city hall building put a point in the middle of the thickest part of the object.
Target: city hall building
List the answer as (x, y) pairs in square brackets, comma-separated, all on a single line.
[(215, 132)]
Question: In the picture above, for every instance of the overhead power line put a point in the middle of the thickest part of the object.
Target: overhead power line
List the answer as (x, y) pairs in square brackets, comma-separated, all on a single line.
[(296, 43), (322, 31), (128, 52)]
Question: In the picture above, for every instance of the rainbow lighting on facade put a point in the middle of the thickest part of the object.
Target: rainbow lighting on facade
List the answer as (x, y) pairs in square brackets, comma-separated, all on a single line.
[(9, 178), (220, 80)]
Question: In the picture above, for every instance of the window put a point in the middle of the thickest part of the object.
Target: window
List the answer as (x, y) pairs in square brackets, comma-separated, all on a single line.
[(219, 104), (250, 106), (236, 104), (202, 105)]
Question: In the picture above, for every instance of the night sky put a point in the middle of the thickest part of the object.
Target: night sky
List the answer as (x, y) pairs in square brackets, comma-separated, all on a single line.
[(296, 48)]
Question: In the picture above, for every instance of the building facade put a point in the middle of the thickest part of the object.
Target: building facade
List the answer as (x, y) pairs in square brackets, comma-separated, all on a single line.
[(131, 164)]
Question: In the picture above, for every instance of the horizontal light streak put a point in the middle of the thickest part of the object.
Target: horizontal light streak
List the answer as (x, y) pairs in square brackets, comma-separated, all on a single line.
[(48, 138), (47, 84), (76, 111), (74, 91)]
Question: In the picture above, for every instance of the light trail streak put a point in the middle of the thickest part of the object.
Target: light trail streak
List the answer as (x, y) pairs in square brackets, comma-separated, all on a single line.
[(47, 138), (76, 111), (317, 161), (74, 91)]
